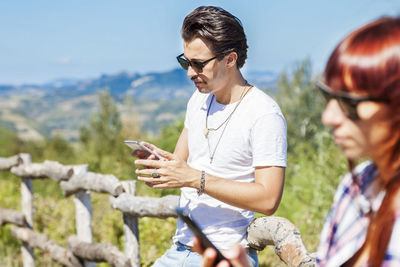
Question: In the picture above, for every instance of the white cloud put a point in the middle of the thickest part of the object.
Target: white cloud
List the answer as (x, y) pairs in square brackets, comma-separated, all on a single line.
[(63, 60)]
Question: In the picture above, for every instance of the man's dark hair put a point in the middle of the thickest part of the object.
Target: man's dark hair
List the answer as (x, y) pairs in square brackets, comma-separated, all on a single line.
[(222, 29)]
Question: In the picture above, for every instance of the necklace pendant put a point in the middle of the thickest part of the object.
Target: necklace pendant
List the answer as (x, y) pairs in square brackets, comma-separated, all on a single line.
[(206, 131)]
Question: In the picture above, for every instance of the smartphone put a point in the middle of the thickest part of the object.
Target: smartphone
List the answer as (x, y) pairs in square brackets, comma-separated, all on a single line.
[(140, 150), (204, 241)]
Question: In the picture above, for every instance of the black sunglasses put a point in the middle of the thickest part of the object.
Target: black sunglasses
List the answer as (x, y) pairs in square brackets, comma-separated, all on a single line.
[(347, 102), (196, 65)]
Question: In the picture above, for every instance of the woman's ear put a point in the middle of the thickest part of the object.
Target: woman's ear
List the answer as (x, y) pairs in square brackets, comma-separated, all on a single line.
[(231, 59)]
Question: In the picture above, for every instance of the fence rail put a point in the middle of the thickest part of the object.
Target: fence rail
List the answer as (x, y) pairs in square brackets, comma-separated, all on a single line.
[(82, 251)]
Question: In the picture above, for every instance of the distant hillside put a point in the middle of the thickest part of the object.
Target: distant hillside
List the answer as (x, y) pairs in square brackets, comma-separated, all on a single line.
[(62, 106)]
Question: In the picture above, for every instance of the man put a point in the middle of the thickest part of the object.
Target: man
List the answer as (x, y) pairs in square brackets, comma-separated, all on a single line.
[(230, 158)]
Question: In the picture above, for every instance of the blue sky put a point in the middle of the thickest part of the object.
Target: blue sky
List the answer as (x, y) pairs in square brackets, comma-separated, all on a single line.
[(44, 40)]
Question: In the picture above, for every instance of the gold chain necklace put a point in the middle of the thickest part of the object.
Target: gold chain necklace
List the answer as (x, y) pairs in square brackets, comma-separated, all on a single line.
[(207, 130)]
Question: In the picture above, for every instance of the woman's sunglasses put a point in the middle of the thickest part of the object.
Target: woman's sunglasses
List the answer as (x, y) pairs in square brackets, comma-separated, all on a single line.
[(347, 103), (196, 65)]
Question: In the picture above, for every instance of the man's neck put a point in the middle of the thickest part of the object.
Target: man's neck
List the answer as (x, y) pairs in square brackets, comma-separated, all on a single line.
[(232, 90)]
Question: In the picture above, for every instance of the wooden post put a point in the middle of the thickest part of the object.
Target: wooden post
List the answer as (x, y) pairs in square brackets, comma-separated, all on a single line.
[(28, 211), (83, 213), (131, 229)]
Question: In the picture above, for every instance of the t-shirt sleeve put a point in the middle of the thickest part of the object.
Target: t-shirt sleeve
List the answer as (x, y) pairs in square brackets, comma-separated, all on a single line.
[(186, 122), (268, 141), (189, 108)]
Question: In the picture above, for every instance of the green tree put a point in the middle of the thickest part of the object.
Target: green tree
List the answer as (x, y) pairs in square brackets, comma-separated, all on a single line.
[(301, 105), (314, 162), (9, 143), (57, 148), (101, 139), (169, 135)]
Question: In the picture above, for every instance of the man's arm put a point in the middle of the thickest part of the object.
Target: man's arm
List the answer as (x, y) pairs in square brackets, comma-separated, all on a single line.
[(264, 195), (261, 196), (181, 147)]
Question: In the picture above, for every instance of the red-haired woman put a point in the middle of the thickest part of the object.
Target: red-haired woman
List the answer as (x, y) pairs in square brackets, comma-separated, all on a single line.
[(362, 88)]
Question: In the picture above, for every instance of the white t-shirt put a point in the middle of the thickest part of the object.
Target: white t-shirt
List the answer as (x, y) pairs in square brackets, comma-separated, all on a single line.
[(255, 135)]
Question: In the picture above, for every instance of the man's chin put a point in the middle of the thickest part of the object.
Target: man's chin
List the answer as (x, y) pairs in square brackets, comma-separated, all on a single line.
[(204, 90), (202, 87)]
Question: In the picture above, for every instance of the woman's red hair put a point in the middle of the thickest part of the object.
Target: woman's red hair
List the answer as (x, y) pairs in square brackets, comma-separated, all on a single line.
[(367, 62)]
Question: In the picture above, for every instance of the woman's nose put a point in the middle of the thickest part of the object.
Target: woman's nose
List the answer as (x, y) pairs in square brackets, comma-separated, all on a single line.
[(333, 114)]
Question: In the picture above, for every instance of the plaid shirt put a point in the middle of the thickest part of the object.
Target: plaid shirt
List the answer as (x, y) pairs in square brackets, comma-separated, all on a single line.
[(345, 229)]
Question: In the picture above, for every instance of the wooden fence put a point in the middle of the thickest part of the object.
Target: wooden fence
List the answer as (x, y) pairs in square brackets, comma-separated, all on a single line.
[(82, 251)]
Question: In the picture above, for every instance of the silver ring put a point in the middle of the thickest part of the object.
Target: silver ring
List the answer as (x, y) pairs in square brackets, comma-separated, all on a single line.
[(155, 174)]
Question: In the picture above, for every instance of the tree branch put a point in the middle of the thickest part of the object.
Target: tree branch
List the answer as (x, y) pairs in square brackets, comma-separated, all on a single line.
[(8, 163), (146, 206), (47, 169), (12, 216), (98, 252), (283, 235), (101, 183), (35, 240)]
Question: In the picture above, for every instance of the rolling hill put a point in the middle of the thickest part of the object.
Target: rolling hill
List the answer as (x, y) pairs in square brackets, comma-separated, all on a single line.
[(61, 106)]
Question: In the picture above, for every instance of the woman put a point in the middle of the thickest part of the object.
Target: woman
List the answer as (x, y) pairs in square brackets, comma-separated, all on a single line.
[(362, 89)]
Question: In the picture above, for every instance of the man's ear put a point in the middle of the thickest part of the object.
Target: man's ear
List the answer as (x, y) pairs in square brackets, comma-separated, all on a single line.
[(231, 59)]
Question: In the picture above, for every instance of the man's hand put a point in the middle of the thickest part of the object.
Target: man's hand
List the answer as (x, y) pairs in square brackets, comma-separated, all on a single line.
[(237, 256), (144, 154), (173, 172)]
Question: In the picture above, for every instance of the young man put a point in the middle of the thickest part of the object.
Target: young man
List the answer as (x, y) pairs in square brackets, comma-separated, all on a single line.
[(231, 156)]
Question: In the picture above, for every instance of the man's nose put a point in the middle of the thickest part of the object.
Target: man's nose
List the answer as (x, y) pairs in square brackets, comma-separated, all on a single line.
[(191, 72)]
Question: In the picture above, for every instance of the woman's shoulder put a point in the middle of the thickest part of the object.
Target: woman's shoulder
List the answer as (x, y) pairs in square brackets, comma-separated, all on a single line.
[(364, 174), (364, 168)]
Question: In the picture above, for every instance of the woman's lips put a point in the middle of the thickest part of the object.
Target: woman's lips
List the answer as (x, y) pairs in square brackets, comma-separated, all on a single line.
[(340, 139)]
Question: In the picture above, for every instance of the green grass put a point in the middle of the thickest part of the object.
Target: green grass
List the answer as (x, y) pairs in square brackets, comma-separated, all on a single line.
[(308, 193), (314, 169)]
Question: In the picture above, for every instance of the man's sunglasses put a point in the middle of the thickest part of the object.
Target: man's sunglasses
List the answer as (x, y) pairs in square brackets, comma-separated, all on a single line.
[(196, 65), (347, 102)]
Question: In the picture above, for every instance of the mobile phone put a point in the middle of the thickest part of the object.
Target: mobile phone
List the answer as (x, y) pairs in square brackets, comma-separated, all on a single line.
[(204, 241), (140, 150)]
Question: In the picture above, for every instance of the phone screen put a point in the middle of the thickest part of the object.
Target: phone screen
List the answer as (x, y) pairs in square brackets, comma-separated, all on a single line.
[(205, 242), (139, 150)]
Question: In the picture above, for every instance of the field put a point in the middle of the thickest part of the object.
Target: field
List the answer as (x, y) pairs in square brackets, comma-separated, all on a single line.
[(314, 169)]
